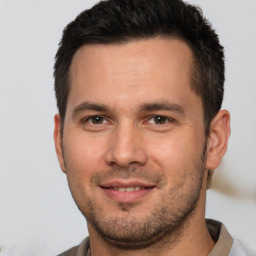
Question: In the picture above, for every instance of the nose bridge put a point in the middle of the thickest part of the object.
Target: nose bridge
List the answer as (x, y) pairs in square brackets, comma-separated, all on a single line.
[(126, 146)]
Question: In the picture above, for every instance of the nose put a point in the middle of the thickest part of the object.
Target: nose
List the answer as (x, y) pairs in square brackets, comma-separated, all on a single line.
[(126, 147)]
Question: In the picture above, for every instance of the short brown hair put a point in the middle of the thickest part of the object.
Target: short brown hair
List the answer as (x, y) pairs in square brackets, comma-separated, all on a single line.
[(118, 21)]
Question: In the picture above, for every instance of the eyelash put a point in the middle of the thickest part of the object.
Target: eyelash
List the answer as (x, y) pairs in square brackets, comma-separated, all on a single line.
[(90, 118), (165, 121)]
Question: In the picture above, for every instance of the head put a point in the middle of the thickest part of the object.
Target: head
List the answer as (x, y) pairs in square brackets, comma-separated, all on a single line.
[(118, 22), (139, 86)]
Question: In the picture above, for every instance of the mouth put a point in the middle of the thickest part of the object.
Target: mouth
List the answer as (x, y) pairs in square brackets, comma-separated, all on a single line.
[(126, 193), (128, 189)]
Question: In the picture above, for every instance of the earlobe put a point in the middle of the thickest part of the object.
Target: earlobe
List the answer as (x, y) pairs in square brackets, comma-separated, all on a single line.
[(218, 139), (58, 141)]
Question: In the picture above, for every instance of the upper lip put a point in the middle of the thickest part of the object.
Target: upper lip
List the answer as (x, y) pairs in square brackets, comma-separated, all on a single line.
[(126, 184)]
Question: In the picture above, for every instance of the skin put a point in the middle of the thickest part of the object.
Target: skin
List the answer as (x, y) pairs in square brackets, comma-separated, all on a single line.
[(133, 120)]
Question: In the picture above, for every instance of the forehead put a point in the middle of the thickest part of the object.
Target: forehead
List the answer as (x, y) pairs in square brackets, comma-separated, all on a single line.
[(148, 69), (152, 53)]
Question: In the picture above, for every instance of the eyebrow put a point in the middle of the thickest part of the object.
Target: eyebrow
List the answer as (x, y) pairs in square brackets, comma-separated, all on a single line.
[(89, 106), (158, 106), (148, 107)]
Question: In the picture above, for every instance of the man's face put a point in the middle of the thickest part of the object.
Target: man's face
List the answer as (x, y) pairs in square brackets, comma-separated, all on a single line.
[(133, 139)]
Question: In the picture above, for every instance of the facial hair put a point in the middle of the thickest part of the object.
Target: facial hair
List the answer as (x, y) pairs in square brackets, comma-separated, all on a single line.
[(169, 217)]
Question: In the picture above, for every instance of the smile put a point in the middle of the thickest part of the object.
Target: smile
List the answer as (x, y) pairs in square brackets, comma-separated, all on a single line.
[(128, 189), (126, 193)]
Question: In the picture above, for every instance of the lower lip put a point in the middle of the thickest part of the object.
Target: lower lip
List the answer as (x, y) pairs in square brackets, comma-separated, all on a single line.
[(126, 197)]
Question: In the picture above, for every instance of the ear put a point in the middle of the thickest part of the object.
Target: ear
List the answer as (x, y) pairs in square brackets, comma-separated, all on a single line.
[(218, 139), (58, 141)]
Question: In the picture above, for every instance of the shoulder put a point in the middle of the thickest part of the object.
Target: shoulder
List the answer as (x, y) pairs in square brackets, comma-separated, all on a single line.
[(238, 249), (71, 252), (78, 250)]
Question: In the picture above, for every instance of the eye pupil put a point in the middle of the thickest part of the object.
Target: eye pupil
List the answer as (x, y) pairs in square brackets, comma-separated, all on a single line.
[(97, 120), (160, 120)]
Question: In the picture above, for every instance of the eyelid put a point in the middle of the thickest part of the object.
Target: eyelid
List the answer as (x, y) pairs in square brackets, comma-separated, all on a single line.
[(169, 119), (88, 118), (107, 120)]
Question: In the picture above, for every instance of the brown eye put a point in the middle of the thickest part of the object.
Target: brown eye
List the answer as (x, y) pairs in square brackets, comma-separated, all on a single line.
[(160, 120), (97, 119)]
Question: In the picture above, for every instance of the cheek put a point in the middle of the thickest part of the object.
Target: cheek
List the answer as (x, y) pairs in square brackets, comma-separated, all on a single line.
[(83, 159), (83, 155), (176, 156)]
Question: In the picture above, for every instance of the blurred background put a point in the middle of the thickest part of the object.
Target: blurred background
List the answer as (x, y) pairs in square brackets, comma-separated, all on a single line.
[(37, 213)]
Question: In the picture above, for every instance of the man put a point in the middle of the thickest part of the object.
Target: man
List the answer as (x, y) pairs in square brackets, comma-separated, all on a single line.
[(139, 88)]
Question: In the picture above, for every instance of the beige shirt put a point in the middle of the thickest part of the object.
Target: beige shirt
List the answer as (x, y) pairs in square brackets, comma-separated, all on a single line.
[(225, 245)]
